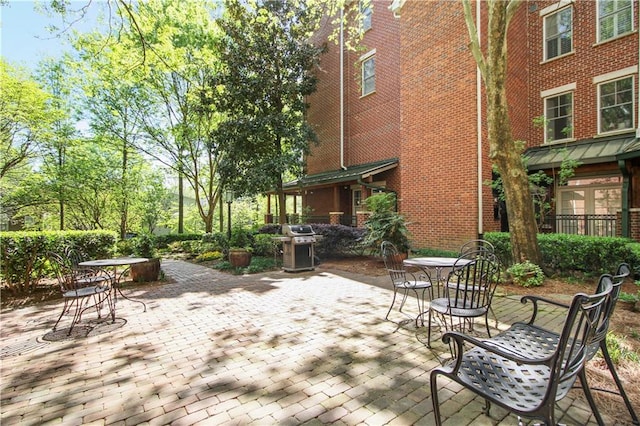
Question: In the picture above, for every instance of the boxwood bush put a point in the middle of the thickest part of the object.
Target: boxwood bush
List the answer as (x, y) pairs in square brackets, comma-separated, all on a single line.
[(23, 255), (564, 254)]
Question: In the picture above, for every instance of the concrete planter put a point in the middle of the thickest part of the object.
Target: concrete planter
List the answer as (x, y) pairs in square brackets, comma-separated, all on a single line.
[(239, 258)]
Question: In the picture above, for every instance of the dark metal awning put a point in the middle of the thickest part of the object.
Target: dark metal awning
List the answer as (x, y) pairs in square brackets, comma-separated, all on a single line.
[(590, 151), (351, 173)]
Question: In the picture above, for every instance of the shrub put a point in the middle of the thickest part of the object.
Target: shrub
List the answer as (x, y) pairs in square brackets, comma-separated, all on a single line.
[(218, 240), (163, 241), (144, 245), (240, 237), (208, 256), (526, 274), (271, 228), (385, 224), (264, 245), (338, 240)]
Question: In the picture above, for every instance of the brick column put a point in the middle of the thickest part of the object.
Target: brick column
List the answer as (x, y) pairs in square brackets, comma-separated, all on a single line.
[(334, 217), (634, 224), (361, 218)]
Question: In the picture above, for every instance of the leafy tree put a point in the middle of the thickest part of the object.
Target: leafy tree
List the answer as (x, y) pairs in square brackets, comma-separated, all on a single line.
[(504, 152), (25, 117), (268, 62)]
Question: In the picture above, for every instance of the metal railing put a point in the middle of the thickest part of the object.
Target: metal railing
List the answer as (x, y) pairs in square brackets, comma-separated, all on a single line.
[(600, 225)]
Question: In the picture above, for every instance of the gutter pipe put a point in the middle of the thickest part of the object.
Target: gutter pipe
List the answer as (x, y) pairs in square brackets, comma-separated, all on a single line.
[(479, 129), (342, 166)]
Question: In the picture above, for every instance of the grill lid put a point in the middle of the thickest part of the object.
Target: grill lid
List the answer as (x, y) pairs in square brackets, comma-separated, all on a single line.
[(297, 230)]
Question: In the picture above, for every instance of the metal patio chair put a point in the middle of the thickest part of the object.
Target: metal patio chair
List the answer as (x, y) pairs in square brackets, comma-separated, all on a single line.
[(401, 279), (475, 246), (78, 294), (535, 340), (468, 293), (526, 383)]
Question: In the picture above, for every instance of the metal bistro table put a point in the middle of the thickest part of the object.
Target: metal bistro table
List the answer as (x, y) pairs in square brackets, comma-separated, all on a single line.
[(438, 265), (117, 276)]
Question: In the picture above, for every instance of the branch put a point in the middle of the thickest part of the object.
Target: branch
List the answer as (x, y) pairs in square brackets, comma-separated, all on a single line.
[(474, 45)]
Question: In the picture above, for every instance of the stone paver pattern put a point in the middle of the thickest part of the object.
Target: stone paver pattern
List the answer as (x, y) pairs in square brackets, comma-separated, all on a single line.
[(276, 348)]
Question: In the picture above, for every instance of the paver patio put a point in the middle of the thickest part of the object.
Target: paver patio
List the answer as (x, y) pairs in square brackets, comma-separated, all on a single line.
[(273, 348)]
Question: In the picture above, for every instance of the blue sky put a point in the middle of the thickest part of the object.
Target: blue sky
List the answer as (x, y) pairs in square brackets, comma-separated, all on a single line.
[(24, 39)]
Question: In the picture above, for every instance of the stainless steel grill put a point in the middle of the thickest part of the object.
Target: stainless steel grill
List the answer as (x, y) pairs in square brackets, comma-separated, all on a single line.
[(298, 247)]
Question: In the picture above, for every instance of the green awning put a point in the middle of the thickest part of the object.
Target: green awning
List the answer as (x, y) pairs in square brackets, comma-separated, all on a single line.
[(589, 151), (351, 173)]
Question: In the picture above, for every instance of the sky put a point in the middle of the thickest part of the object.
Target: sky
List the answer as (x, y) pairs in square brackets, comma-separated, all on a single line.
[(24, 38)]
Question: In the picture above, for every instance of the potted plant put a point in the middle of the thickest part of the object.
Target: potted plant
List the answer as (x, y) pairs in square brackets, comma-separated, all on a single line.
[(240, 250), (526, 274), (385, 223), (144, 246)]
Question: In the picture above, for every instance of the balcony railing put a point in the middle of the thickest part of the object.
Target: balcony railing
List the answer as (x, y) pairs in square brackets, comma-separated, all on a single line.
[(600, 225)]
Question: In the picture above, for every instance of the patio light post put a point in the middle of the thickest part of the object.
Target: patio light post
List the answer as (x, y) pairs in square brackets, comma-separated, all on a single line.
[(228, 198)]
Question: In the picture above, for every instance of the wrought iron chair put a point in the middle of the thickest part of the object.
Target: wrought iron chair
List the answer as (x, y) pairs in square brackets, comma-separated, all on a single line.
[(401, 279), (84, 276), (77, 292), (535, 340), (468, 292), (475, 246), (526, 383)]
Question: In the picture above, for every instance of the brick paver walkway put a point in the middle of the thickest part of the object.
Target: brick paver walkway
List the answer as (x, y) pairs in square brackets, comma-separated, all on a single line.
[(275, 348)]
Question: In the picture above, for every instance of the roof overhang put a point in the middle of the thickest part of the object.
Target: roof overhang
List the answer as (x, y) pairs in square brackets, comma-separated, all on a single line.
[(589, 151), (350, 174)]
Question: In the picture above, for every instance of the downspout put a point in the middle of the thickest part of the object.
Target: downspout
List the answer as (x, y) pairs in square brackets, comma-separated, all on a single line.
[(479, 129), (342, 166), (638, 122), (624, 216)]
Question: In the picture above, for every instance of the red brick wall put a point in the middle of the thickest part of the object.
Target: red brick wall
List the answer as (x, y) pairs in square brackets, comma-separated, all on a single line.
[(588, 60), (372, 123), (439, 137)]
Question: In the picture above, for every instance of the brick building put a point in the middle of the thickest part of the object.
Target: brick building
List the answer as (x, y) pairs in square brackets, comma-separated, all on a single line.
[(405, 113)]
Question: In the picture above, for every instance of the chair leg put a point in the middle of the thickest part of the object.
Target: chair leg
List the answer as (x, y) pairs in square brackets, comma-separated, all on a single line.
[(587, 394), (434, 397), (404, 299), (614, 374), (395, 291), (429, 330), (64, 310)]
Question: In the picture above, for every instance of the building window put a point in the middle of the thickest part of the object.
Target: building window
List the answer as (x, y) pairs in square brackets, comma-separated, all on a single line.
[(365, 11), (615, 18), (559, 117), (588, 206), (368, 75), (558, 33), (615, 100)]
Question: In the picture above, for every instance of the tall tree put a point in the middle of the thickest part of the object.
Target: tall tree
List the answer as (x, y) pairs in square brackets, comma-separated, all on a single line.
[(268, 70), (504, 152), (26, 117)]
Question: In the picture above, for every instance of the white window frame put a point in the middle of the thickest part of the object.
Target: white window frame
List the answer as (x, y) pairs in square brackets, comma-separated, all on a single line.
[(589, 191), (631, 126), (554, 93), (615, 15), (366, 10), (370, 56), (551, 12)]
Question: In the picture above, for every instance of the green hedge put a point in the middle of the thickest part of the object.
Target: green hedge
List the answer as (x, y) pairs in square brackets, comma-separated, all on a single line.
[(23, 255), (565, 253)]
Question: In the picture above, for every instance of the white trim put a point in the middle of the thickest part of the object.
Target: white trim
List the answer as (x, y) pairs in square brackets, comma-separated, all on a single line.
[(630, 75), (561, 7), (555, 7), (614, 75), (367, 55), (599, 40), (558, 90)]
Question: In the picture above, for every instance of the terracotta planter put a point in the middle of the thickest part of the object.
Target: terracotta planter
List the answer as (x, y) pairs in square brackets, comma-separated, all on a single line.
[(147, 271), (239, 258)]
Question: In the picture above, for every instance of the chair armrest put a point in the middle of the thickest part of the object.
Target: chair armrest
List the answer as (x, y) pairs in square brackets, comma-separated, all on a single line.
[(536, 300), (489, 345)]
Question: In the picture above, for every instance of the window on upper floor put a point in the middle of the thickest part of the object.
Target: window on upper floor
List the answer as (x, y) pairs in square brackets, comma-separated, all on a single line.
[(615, 105), (368, 74), (615, 17), (365, 11), (558, 114), (558, 33)]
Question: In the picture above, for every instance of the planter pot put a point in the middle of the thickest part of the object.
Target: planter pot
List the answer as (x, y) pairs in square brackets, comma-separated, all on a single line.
[(239, 258), (147, 271)]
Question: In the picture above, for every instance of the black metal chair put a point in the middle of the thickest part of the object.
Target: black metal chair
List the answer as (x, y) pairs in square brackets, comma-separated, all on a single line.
[(83, 275), (401, 279), (468, 292), (527, 383), (77, 292), (475, 246), (535, 340)]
